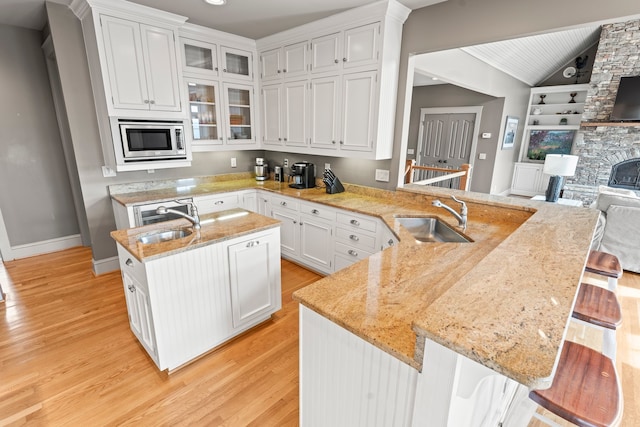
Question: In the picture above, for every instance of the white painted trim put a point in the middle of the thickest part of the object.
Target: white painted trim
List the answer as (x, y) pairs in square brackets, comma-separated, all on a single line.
[(6, 254), (406, 117), (506, 192), (46, 246), (106, 265)]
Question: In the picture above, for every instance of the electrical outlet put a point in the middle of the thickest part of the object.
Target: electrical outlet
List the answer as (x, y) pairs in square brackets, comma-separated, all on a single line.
[(233, 162), (151, 171), (327, 165), (410, 151), (382, 175), (482, 156), (285, 163)]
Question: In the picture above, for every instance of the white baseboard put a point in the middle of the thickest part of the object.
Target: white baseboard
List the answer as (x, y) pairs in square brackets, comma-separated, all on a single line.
[(106, 265), (46, 246)]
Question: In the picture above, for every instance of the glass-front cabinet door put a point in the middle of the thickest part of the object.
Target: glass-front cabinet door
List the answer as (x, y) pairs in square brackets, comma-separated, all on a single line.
[(236, 63), (204, 112), (239, 113), (199, 58)]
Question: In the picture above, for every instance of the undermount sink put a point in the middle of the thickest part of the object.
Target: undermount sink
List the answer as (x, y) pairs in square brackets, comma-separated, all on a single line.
[(163, 236), (431, 229)]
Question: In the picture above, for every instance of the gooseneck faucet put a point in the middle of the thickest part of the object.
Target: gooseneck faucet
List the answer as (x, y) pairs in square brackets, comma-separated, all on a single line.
[(194, 218), (461, 217)]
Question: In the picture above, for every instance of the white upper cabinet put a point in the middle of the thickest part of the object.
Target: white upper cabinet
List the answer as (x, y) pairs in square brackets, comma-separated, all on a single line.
[(324, 112), (350, 64), (285, 62), (326, 53), (271, 114), (354, 47), (239, 114), (199, 58), (236, 63), (295, 60), (141, 64), (204, 112), (358, 103)]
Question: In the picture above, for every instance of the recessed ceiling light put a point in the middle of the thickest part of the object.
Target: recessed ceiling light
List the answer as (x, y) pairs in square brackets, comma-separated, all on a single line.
[(216, 2), (434, 78)]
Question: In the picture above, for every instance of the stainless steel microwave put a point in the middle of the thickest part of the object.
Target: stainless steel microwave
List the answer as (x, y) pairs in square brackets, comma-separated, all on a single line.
[(144, 140)]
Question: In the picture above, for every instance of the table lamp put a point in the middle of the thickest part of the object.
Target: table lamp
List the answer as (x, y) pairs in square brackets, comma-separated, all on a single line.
[(558, 166)]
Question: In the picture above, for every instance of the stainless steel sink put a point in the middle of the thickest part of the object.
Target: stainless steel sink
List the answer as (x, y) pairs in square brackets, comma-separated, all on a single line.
[(163, 236), (431, 229)]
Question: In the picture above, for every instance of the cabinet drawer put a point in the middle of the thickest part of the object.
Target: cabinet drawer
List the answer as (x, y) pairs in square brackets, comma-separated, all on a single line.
[(133, 267), (319, 211), (357, 221), (351, 252), (284, 202), (356, 238), (216, 203)]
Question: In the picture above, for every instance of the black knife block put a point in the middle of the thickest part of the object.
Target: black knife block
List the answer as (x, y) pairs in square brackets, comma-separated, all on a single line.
[(335, 186)]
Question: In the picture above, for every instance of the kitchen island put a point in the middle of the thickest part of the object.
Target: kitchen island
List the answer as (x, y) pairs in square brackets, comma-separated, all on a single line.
[(502, 301), (197, 289)]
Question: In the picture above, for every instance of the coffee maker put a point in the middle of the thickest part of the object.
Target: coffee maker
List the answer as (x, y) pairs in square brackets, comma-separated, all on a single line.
[(303, 175), (261, 169)]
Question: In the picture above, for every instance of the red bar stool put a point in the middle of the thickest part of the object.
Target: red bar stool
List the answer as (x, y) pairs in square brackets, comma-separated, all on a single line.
[(585, 389), (606, 265)]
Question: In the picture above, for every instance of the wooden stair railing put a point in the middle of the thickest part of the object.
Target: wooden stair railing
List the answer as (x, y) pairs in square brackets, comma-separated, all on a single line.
[(464, 173)]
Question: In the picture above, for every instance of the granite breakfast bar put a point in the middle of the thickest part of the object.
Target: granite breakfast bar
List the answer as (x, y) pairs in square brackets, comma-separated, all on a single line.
[(501, 302)]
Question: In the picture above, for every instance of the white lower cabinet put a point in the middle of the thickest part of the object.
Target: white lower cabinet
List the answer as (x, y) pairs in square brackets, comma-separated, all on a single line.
[(217, 202), (183, 305), (316, 237), (528, 179), (254, 277)]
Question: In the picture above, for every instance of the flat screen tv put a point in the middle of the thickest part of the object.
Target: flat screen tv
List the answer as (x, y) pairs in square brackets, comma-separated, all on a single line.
[(627, 105), (543, 142)]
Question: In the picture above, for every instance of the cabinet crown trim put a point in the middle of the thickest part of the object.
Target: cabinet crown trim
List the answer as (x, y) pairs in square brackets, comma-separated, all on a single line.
[(135, 11), (352, 17)]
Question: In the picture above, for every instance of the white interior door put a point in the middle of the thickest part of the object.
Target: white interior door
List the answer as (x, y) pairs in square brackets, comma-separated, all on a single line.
[(5, 246), (446, 140)]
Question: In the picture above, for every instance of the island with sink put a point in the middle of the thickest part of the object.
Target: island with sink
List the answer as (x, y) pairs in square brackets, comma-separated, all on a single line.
[(436, 325), (191, 286)]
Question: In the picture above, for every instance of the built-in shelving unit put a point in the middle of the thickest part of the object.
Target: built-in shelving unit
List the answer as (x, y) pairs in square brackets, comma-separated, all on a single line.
[(620, 124)]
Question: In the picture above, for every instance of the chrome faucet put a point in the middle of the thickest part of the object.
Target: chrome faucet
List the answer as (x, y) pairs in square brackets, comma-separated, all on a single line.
[(461, 217), (194, 218)]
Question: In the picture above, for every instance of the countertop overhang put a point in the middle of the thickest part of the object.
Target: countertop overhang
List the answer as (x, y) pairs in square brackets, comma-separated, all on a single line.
[(503, 300)]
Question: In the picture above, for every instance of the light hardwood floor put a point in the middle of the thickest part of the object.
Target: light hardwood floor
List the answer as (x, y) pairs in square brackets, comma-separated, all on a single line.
[(67, 356)]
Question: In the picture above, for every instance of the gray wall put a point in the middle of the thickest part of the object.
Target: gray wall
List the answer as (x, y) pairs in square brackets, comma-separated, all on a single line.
[(454, 96), (458, 23), (35, 196)]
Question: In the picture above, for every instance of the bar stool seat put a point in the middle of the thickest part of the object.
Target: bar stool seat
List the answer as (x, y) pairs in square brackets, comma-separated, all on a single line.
[(585, 389), (597, 306), (606, 265)]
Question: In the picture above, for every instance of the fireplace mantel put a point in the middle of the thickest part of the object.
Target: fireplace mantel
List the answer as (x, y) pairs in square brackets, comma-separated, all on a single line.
[(620, 124)]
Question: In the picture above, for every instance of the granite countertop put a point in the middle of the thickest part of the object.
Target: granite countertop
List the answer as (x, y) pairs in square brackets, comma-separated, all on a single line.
[(503, 300), (215, 228)]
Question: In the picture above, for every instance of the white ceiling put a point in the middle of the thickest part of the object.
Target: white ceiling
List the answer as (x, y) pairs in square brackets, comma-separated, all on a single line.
[(249, 18), (530, 59)]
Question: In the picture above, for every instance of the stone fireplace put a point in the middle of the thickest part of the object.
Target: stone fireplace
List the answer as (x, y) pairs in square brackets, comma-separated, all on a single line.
[(600, 144)]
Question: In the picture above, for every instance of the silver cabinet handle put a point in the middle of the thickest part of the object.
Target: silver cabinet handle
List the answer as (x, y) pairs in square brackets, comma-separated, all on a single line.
[(252, 244), (333, 142), (315, 211), (129, 262), (216, 69), (219, 202), (295, 222), (352, 252), (341, 142), (354, 222), (278, 71), (279, 139), (146, 101), (344, 59), (354, 238), (285, 140), (284, 70), (152, 102), (336, 61), (131, 288), (301, 223), (224, 70), (283, 203), (391, 242)]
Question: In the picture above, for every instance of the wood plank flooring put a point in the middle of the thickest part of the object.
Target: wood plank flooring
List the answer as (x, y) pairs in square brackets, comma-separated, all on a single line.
[(67, 356)]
